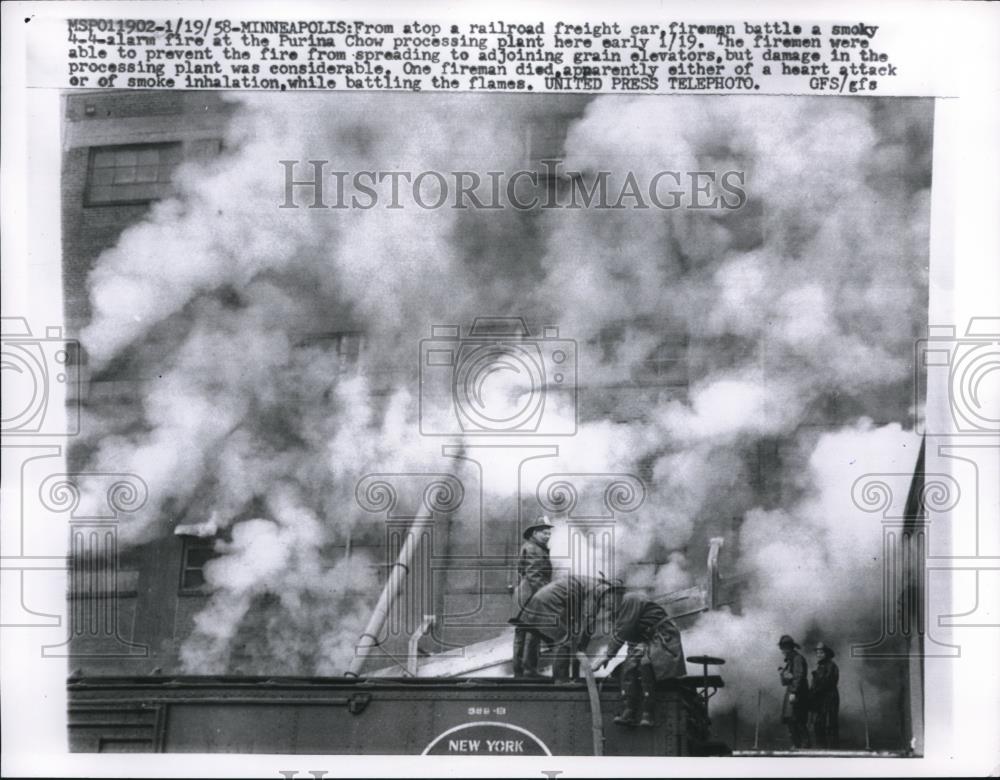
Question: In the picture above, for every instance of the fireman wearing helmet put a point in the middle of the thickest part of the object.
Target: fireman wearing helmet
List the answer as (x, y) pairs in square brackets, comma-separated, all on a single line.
[(534, 570), (654, 653)]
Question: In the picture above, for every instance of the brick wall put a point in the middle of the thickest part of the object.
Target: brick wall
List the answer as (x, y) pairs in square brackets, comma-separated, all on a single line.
[(197, 119)]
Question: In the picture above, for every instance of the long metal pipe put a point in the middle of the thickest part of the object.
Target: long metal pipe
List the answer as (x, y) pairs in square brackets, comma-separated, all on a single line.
[(714, 596), (864, 710), (413, 648), (398, 573), (756, 725), (596, 718)]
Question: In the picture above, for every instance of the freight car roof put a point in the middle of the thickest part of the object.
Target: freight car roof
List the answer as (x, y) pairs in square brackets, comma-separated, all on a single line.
[(234, 682)]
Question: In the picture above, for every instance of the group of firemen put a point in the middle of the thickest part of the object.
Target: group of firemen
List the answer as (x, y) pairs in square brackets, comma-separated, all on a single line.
[(563, 613), (817, 705)]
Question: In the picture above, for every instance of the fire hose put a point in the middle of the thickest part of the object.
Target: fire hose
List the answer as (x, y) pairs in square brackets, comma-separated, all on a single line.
[(596, 718)]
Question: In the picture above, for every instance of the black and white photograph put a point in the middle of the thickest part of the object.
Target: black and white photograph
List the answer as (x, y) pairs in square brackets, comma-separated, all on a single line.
[(495, 423)]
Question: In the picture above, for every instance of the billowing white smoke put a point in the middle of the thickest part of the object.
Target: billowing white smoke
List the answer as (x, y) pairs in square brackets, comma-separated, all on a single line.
[(800, 309), (816, 571), (805, 306)]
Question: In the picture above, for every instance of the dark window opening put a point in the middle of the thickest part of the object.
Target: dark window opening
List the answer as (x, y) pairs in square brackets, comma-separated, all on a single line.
[(197, 552), (131, 174)]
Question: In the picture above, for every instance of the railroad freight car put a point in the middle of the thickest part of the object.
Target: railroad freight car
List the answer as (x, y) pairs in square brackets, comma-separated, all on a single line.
[(435, 716)]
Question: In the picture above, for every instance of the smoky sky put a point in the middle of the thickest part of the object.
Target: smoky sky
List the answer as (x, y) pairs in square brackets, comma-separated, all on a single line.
[(799, 312)]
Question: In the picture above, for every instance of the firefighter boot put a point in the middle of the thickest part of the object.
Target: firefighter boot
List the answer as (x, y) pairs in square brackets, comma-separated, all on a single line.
[(647, 679), (518, 656), (627, 716), (529, 655), (560, 665), (629, 694)]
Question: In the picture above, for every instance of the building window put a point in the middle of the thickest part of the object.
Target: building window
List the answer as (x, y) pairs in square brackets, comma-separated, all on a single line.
[(347, 344), (131, 174), (667, 363), (196, 553), (348, 348)]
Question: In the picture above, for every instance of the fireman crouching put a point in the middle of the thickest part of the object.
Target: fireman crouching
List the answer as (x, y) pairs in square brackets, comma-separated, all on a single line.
[(563, 614), (654, 653)]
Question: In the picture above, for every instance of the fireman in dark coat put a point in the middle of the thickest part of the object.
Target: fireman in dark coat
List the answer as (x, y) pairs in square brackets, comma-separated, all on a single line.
[(824, 698), (654, 653), (564, 614), (534, 570), (795, 678)]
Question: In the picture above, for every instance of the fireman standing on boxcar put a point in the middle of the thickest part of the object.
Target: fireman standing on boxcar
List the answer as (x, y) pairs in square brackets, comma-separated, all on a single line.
[(654, 653), (795, 679), (534, 570), (824, 698)]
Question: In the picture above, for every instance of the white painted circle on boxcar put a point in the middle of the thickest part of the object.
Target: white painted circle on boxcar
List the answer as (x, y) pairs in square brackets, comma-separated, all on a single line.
[(486, 738)]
